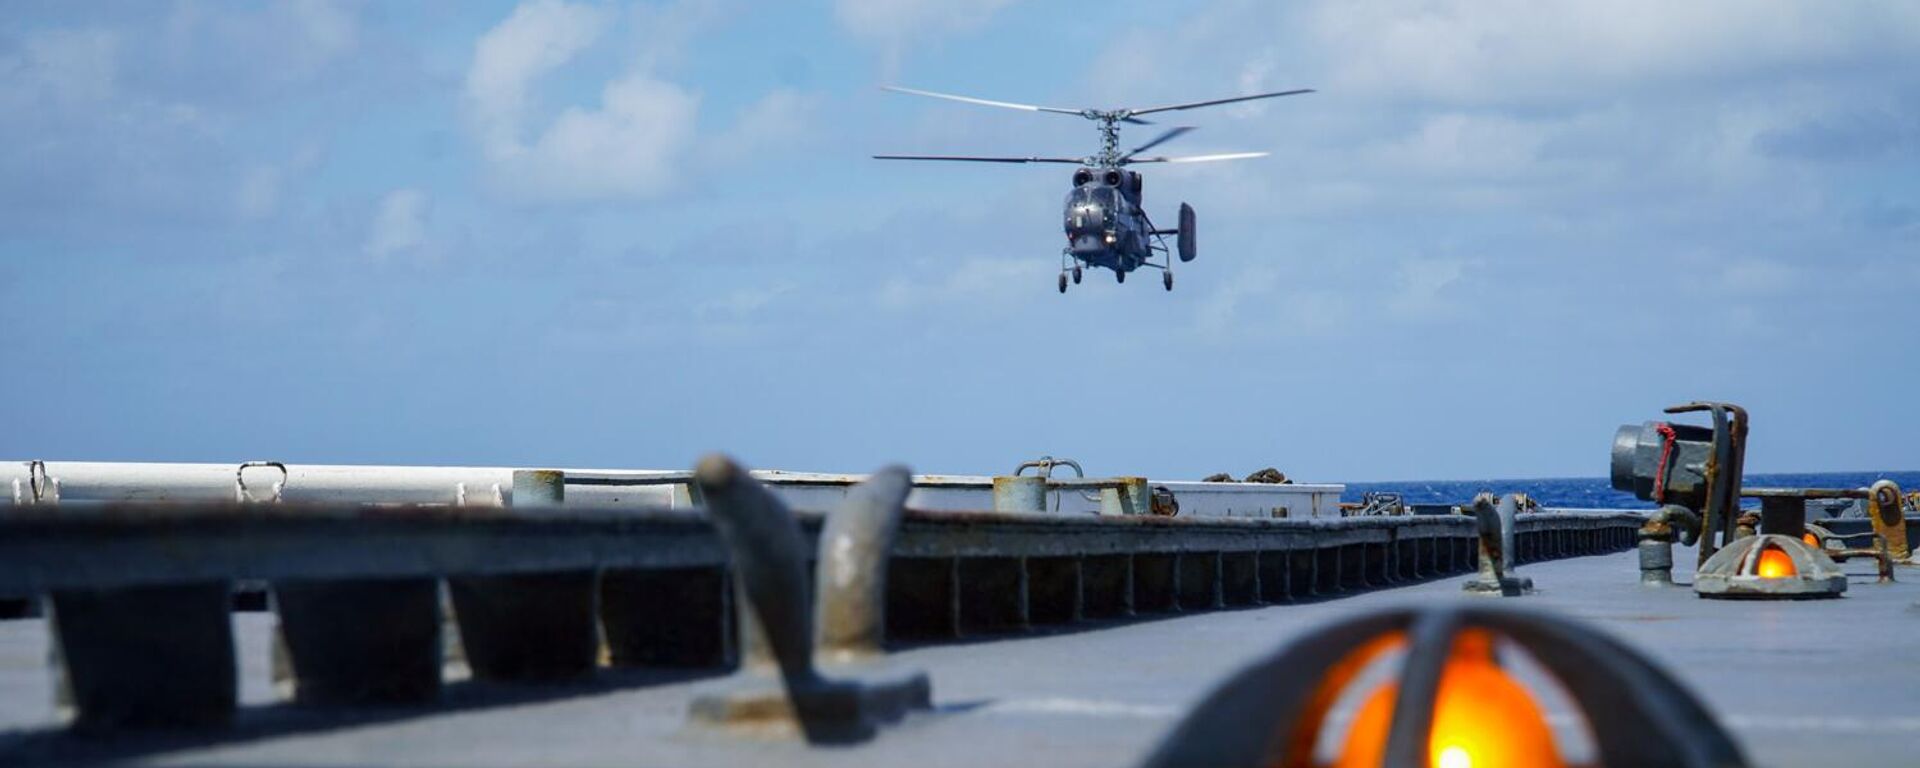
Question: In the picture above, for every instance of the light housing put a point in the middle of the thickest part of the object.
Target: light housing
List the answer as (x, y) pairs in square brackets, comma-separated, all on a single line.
[(1274, 712), (1770, 566)]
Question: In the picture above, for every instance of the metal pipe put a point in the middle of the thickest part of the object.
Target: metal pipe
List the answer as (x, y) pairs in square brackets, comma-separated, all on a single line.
[(1657, 535), (96, 482)]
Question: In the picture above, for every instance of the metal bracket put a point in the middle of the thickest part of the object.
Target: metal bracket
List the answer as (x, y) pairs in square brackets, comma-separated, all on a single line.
[(498, 497), (40, 488), (1044, 465), (244, 495)]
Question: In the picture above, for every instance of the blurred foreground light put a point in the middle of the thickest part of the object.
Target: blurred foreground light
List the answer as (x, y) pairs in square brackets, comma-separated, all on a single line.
[(1450, 703), (1482, 718)]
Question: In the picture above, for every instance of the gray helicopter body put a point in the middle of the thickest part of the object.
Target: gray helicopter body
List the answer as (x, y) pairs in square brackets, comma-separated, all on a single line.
[(1107, 226), (1106, 223)]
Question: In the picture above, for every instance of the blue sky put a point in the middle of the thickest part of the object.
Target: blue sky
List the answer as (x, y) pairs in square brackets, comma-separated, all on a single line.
[(624, 234)]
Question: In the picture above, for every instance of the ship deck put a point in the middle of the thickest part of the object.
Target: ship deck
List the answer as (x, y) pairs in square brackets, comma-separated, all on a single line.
[(1798, 683)]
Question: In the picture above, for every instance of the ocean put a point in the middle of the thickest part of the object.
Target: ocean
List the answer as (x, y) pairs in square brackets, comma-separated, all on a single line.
[(1596, 493)]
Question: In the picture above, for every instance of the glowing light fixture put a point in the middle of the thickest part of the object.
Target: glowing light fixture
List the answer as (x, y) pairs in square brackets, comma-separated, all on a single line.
[(1774, 564), (1770, 566), (1482, 718), (1451, 704)]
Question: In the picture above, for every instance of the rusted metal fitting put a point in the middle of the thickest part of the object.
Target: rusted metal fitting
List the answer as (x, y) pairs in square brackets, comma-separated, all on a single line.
[(1836, 547), (1770, 566), (1044, 465), (1274, 712), (1671, 523), (1694, 467), (1375, 504), (779, 685), (1656, 563), (1494, 524), (1021, 492), (1747, 525), (1164, 503), (1657, 535)]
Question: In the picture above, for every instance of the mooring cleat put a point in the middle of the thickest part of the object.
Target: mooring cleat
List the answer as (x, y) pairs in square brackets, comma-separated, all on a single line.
[(1495, 527), (780, 685)]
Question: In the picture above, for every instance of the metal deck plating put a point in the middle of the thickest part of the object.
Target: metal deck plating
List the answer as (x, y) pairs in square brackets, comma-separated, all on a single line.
[(1798, 683)]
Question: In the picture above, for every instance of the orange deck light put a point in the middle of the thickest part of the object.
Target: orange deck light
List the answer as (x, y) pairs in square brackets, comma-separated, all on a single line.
[(1469, 712), (1774, 564), (1482, 718)]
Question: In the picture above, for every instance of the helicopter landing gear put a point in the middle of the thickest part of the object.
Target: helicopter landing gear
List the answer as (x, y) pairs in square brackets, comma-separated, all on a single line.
[(1119, 276), (1166, 279), (1063, 282), (1076, 274)]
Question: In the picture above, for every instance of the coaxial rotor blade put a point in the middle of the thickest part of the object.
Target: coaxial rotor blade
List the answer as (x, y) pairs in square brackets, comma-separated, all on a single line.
[(977, 159), (1198, 158), (1199, 104), (1157, 141), (985, 102)]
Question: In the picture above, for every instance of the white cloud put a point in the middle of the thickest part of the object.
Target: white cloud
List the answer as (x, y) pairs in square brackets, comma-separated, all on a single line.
[(1503, 51), (399, 224), (627, 146), (538, 38)]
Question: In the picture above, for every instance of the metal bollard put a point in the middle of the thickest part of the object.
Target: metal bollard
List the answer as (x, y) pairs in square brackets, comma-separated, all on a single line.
[(1494, 525), (1656, 563), (778, 683), (1656, 538), (1020, 493)]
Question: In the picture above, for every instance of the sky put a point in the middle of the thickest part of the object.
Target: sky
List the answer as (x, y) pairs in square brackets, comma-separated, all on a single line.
[(624, 234)]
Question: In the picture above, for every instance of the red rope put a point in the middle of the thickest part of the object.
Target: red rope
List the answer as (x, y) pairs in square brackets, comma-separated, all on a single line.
[(1666, 452)]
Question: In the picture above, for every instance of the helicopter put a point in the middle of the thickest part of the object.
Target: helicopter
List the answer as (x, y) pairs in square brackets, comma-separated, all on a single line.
[(1105, 224)]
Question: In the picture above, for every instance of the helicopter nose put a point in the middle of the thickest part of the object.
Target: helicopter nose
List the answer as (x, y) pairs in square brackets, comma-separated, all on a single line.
[(1085, 218), (1088, 243)]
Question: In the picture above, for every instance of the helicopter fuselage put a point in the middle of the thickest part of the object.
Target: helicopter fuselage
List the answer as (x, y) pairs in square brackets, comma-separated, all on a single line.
[(1105, 225)]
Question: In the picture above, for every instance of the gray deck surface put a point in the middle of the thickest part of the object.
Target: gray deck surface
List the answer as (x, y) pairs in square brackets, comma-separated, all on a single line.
[(1815, 683)]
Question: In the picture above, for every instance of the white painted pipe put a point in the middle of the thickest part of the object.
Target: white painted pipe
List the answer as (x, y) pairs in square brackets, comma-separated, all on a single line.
[(83, 481), (477, 486)]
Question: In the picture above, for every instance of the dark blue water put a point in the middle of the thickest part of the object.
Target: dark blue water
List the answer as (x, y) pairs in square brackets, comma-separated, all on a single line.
[(1595, 493)]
